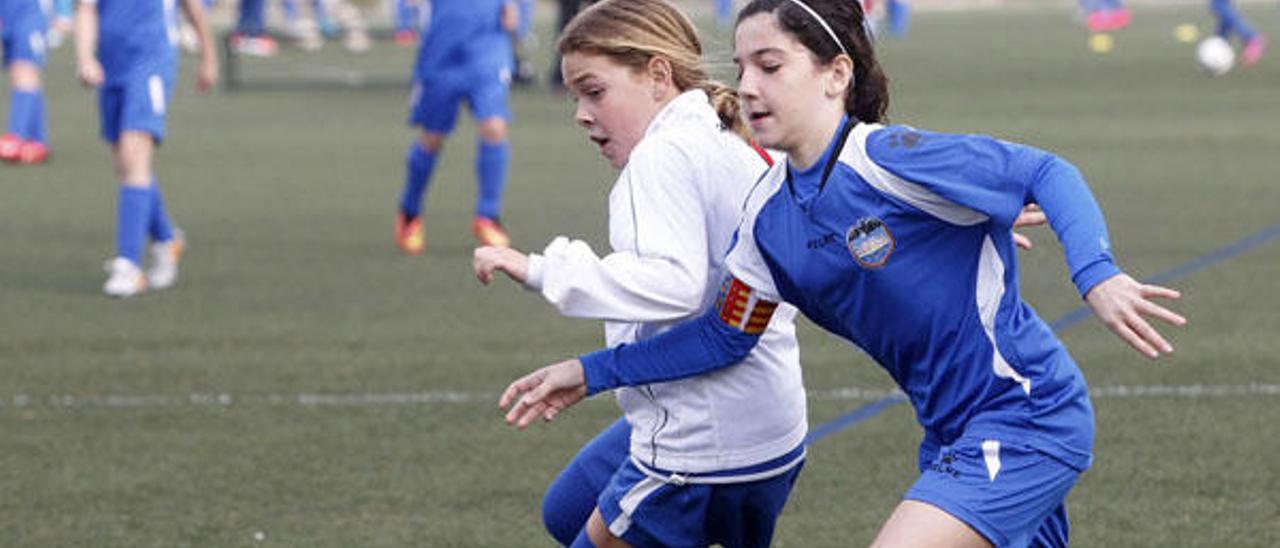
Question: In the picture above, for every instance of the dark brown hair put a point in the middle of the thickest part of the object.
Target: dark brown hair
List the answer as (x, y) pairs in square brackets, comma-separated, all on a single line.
[(868, 100)]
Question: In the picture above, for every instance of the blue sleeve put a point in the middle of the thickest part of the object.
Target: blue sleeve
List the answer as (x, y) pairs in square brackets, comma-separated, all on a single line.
[(997, 178), (692, 348)]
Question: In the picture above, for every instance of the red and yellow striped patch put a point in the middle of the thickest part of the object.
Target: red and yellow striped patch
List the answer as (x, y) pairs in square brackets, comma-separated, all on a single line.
[(742, 309)]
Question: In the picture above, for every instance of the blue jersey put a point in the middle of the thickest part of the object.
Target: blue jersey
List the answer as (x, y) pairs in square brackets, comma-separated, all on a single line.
[(463, 39), (906, 250), (136, 37)]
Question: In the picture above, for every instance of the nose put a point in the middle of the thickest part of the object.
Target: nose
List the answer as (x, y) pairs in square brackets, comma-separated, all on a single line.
[(747, 88), (582, 117)]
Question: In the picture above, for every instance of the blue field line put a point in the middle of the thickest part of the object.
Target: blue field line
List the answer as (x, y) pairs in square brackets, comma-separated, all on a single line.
[(1067, 320)]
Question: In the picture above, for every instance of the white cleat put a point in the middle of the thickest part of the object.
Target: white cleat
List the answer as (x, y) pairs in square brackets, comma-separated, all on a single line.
[(126, 279), (164, 261)]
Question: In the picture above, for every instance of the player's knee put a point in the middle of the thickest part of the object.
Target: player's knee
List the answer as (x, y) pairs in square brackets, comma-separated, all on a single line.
[(493, 130), (431, 142), (24, 76)]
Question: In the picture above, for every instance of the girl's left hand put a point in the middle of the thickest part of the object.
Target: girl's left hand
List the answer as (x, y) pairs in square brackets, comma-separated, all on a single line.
[(1122, 304)]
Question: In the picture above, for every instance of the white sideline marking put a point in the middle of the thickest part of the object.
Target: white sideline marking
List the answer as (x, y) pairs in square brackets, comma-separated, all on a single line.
[(449, 397)]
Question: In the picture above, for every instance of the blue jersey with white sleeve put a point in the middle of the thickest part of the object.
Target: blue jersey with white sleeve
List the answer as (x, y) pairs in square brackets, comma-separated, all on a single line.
[(902, 244), (136, 37), (462, 39)]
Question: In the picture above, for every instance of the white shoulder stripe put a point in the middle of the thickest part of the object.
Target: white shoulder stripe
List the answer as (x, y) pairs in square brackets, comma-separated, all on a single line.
[(855, 156)]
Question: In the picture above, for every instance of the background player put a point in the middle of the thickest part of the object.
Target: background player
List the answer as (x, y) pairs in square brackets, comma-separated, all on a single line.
[(22, 35), (465, 54), (124, 48), (897, 240)]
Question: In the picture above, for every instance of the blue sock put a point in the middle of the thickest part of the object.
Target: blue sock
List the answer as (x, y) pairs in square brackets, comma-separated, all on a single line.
[(250, 21), (491, 167), (419, 163), (23, 107), (1230, 21), (132, 216), (406, 15), (582, 540), (36, 127), (159, 226)]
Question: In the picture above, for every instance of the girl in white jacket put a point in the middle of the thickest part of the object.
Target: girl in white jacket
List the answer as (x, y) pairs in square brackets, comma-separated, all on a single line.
[(684, 468)]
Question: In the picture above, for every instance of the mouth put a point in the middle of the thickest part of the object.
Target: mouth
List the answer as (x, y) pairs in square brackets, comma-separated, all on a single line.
[(599, 141), (757, 116)]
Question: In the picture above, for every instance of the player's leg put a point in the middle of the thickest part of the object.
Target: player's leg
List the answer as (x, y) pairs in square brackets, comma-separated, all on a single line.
[(489, 104), (980, 492), (250, 34), (406, 11), (1232, 22), (131, 155), (26, 140), (435, 111), (899, 17), (572, 496)]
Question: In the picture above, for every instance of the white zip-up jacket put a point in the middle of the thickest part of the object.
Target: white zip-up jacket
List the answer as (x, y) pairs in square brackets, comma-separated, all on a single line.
[(672, 216)]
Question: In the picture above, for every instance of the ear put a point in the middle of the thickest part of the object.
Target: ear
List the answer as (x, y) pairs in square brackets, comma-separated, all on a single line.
[(660, 73), (839, 76)]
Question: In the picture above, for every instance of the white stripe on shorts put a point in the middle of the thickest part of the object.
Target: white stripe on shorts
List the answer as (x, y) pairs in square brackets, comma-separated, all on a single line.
[(630, 502), (155, 86)]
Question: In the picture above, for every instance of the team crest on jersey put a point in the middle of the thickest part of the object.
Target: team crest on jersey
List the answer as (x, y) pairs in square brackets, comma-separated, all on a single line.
[(870, 242)]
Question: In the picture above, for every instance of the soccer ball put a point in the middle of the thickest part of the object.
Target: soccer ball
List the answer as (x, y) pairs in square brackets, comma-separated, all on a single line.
[(1215, 55)]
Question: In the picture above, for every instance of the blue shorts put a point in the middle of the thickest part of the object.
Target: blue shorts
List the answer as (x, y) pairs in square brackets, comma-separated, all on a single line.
[(23, 36), (647, 511), (434, 103), (1007, 491), (136, 104)]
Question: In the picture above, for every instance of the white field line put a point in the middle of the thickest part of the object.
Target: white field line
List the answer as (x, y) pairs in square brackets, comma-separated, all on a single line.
[(448, 397)]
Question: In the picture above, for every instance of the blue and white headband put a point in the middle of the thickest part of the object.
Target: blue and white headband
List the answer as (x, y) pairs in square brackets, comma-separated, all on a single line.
[(824, 24)]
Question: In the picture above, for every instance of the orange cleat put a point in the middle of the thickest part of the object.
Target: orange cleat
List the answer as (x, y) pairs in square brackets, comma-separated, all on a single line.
[(489, 232), (32, 152), (410, 235), (10, 144)]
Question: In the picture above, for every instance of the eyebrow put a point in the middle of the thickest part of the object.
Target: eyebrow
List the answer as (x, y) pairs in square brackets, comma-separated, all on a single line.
[(758, 53), (581, 78)]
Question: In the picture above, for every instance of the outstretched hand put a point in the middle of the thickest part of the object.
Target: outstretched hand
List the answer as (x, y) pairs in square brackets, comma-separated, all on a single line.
[(1122, 304), (489, 259), (544, 393)]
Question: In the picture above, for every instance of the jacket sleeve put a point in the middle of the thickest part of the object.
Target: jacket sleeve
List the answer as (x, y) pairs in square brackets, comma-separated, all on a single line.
[(657, 218)]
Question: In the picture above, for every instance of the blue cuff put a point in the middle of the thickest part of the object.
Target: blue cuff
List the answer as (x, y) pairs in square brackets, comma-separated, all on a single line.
[(1094, 274)]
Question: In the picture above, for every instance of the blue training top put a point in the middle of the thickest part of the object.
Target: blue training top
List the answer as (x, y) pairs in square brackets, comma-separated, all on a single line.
[(906, 250), (462, 38), (136, 37)]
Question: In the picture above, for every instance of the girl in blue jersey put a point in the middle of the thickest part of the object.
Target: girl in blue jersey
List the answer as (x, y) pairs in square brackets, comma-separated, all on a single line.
[(22, 30), (898, 240), (125, 49), (465, 54)]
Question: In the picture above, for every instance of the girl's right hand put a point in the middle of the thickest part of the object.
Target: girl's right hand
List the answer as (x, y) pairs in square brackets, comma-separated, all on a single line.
[(90, 73)]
